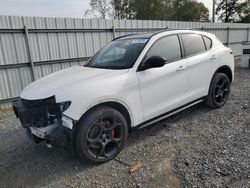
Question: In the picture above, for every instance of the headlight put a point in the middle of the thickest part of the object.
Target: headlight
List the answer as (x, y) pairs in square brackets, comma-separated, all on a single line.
[(64, 105)]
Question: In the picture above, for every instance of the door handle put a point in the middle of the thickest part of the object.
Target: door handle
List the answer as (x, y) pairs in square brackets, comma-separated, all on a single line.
[(180, 68), (213, 57)]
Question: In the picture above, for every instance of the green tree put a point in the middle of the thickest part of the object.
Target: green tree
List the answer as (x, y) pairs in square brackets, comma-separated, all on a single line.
[(230, 10), (122, 9), (147, 10), (180, 10), (245, 15), (99, 8), (168, 10), (245, 19), (188, 10), (177, 6)]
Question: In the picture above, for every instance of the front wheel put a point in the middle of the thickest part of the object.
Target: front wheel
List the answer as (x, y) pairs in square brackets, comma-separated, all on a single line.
[(101, 135), (219, 91)]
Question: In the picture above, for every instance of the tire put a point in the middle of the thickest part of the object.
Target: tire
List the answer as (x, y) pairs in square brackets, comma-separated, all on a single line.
[(219, 91), (101, 135)]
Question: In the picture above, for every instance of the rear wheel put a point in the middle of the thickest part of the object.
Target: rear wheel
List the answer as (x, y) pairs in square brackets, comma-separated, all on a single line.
[(101, 135), (219, 91)]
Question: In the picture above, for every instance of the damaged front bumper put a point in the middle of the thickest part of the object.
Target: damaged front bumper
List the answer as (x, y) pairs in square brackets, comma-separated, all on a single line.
[(44, 118)]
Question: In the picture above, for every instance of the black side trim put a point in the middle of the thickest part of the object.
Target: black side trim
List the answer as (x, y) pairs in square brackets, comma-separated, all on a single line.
[(167, 113)]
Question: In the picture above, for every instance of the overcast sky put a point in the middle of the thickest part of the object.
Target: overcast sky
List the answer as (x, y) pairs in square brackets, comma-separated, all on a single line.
[(51, 8)]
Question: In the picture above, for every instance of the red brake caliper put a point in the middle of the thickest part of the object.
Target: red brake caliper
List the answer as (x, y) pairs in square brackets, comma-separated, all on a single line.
[(108, 124)]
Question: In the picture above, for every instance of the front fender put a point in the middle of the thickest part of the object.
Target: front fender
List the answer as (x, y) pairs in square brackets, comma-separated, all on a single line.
[(77, 111)]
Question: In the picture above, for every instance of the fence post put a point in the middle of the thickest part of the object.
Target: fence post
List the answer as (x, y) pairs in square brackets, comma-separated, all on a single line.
[(228, 36), (26, 31), (113, 29), (248, 30)]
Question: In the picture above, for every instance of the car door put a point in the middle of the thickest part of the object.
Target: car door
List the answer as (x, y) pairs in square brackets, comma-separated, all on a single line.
[(200, 66), (163, 89)]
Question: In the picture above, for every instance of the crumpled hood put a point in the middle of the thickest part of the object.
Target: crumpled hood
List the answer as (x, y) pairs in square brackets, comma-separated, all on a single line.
[(55, 83)]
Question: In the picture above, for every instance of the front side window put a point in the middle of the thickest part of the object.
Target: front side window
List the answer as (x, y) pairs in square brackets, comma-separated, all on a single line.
[(119, 54), (193, 44), (167, 47)]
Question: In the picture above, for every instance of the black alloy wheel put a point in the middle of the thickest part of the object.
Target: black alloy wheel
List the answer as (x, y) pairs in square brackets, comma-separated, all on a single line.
[(219, 91), (101, 135)]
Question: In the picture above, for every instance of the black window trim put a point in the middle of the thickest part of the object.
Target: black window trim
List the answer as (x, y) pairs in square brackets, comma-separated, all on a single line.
[(168, 35), (203, 36), (203, 39)]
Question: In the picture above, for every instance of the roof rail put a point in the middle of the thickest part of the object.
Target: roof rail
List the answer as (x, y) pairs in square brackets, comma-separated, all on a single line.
[(162, 30), (157, 32), (122, 36)]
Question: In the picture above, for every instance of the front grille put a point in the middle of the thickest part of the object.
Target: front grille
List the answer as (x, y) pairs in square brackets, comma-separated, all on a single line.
[(38, 113)]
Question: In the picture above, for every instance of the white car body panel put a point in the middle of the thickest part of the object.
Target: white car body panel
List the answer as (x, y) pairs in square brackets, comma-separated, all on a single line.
[(162, 89), (86, 87), (146, 94)]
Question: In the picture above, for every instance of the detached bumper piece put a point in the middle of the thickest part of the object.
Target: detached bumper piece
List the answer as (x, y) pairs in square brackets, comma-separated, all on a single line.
[(43, 132)]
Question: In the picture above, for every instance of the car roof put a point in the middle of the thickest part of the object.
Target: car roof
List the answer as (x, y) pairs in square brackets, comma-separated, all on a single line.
[(167, 31)]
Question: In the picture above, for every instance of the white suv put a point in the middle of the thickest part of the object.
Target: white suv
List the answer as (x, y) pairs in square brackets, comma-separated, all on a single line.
[(134, 81)]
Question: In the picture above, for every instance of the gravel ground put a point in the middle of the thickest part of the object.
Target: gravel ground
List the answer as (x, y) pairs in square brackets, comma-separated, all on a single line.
[(199, 147)]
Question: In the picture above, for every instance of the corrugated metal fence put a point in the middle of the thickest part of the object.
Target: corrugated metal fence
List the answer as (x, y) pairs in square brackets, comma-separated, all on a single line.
[(32, 47)]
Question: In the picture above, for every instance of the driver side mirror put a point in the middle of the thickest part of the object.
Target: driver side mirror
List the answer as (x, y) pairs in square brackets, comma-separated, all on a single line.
[(153, 62)]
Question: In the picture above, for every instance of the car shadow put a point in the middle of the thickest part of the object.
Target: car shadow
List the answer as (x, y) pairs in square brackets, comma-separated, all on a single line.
[(38, 165), (156, 128)]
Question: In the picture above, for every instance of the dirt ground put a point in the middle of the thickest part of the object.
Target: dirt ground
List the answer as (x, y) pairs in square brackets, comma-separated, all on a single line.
[(199, 147)]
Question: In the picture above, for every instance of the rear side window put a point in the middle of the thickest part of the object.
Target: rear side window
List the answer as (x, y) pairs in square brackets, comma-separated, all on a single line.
[(208, 42), (193, 44), (168, 47)]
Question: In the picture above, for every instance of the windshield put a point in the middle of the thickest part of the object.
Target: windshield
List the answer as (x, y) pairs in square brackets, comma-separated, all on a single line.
[(119, 54)]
